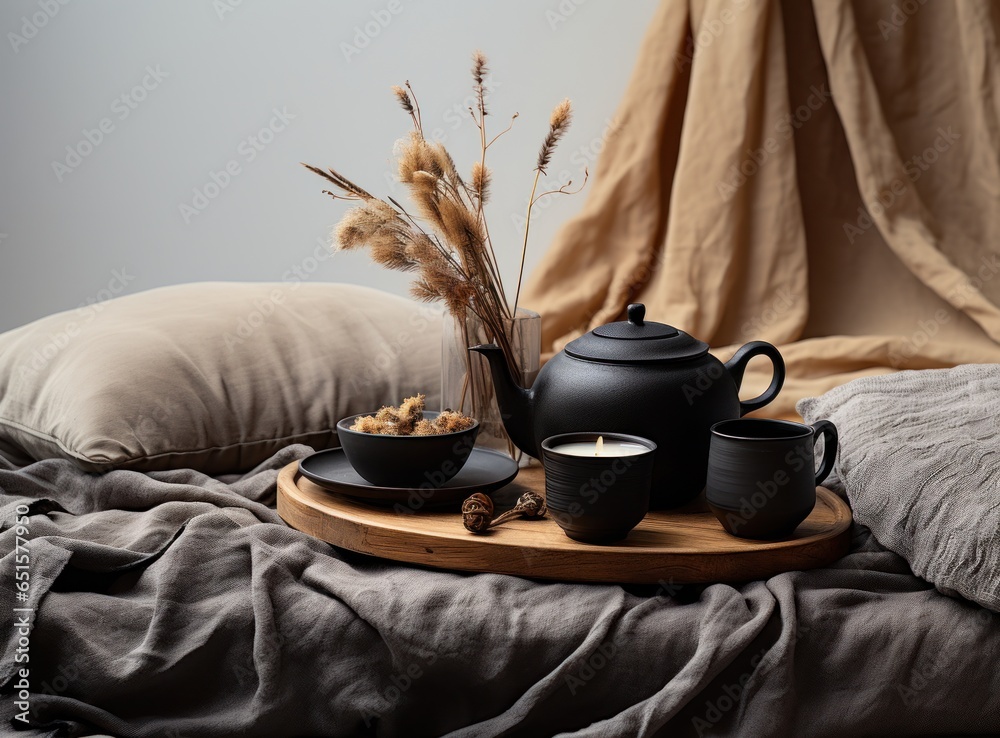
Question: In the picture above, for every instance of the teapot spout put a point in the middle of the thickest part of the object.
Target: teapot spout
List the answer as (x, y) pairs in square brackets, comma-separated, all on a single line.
[(515, 402)]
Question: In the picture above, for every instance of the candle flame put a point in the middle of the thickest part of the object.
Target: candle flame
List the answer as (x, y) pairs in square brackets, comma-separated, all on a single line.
[(600, 446)]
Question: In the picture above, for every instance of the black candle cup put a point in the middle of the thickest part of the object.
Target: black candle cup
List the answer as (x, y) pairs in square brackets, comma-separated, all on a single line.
[(597, 499)]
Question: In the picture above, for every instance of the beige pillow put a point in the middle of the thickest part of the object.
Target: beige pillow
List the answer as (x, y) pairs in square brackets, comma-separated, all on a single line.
[(211, 376)]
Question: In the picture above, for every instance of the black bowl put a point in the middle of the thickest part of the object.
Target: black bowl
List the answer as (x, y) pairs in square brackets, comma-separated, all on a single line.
[(406, 461), (597, 499)]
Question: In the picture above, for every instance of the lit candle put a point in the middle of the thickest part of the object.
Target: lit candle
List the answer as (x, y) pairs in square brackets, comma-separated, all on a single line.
[(594, 494), (601, 448)]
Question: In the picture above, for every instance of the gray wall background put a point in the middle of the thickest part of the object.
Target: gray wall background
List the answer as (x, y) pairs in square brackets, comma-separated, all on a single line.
[(202, 81)]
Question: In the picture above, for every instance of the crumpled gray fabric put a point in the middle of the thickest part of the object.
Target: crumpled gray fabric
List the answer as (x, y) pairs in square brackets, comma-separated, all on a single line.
[(173, 604), (920, 462)]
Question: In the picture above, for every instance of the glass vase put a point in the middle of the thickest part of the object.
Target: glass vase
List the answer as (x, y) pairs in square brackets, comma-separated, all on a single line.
[(466, 382)]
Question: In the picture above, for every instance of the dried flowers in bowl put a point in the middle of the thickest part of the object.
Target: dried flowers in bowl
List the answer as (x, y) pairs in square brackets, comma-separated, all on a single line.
[(408, 446), (409, 420)]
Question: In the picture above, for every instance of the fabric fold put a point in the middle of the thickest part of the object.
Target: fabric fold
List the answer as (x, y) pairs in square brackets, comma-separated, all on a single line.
[(828, 174)]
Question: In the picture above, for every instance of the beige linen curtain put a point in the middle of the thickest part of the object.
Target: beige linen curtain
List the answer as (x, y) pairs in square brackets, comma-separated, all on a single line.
[(823, 176)]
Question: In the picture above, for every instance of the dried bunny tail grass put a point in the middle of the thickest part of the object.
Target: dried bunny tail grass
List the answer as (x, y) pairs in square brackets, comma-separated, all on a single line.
[(425, 290), (388, 248), (479, 72), (460, 226), (458, 294), (460, 299), (354, 229), (448, 167), (362, 224), (423, 250), (479, 68), (416, 155), (437, 284), (404, 99), (561, 114), (408, 102), (342, 182), (443, 284), (558, 125), (426, 194), (481, 180), (436, 268)]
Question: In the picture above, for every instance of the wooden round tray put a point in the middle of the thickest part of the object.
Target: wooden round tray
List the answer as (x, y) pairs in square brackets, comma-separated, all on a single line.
[(668, 547)]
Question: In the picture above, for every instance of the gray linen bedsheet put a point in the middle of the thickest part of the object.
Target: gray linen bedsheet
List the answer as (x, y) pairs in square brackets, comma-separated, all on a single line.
[(173, 604)]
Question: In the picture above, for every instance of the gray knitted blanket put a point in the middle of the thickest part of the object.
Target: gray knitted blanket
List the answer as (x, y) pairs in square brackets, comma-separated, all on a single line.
[(920, 462)]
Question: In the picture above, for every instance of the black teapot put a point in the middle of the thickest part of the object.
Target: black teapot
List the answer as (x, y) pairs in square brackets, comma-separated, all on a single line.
[(643, 378)]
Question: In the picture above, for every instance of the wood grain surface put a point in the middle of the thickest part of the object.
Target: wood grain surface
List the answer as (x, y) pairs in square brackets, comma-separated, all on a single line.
[(675, 546)]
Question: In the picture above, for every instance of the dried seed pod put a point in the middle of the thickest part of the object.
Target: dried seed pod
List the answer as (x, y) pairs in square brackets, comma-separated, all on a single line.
[(477, 512), (529, 505)]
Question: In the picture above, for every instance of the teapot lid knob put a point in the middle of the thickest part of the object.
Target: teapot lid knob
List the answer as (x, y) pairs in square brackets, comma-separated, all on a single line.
[(635, 341)]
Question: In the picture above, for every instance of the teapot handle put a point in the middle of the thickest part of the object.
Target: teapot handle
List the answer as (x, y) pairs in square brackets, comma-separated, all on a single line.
[(738, 364)]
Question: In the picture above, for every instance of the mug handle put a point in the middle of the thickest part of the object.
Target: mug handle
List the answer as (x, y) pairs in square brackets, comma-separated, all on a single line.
[(829, 432), (738, 364)]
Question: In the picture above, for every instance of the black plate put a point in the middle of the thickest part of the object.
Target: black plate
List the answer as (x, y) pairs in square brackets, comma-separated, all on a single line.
[(485, 471)]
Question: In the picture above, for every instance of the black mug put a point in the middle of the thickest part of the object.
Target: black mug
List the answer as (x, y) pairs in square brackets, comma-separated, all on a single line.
[(761, 480)]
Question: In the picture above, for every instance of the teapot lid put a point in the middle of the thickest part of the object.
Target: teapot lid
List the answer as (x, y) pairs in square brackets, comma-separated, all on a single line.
[(635, 341)]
